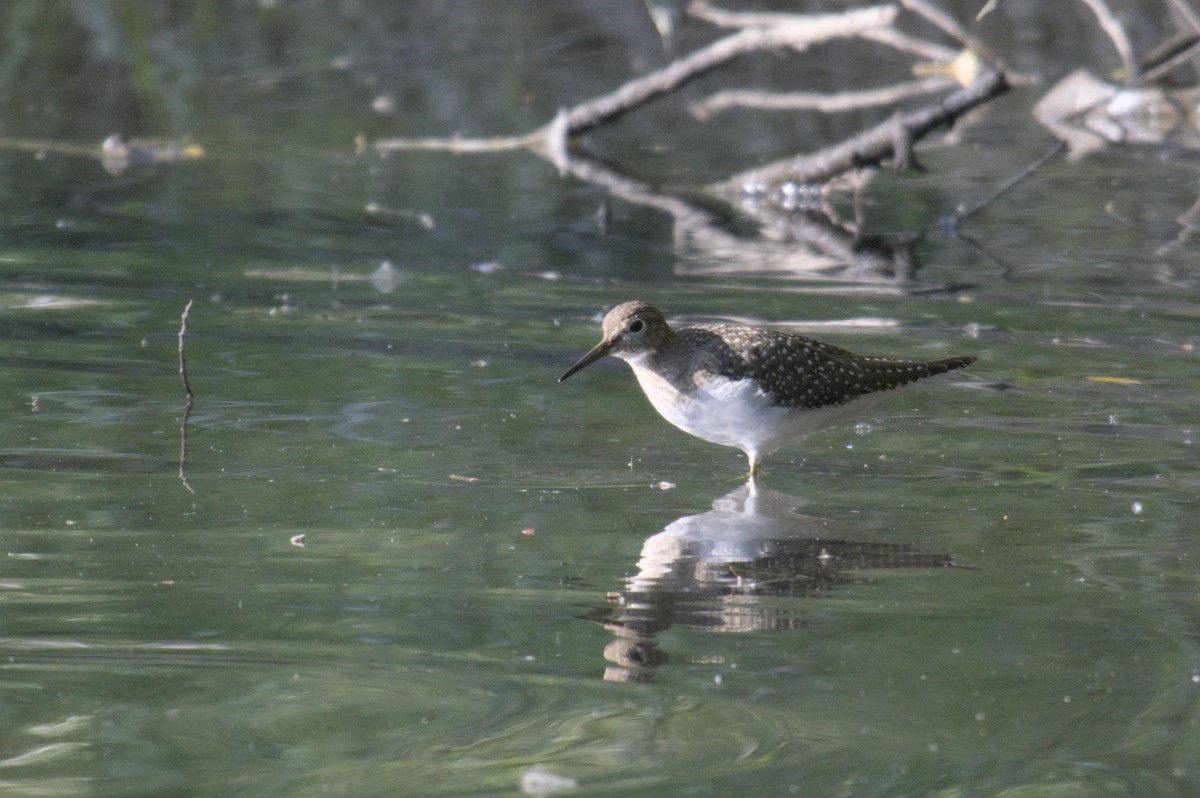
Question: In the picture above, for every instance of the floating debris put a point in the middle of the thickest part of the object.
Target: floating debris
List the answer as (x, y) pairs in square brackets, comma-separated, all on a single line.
[(1115, 380), (384, 104), (539, 781), (385, 278), (117, 155)]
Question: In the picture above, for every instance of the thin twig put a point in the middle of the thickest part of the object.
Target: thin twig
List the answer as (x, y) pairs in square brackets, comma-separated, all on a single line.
[(1189, 222), (825, 103), (1168, 64), (1188, 15), (941, 19), (191, 398), (702, 9), (988, 7), (1115, 31), (465, 145), (722, 18), (187, 386), (905, 43)]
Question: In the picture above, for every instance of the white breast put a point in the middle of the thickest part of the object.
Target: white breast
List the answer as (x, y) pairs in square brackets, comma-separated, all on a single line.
[(737, 413)]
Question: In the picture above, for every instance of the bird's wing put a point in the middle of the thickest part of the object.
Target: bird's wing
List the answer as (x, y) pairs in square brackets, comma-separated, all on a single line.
[(796, 371)]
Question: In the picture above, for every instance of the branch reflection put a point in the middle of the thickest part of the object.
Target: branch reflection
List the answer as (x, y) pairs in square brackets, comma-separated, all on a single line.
[(803, 238)]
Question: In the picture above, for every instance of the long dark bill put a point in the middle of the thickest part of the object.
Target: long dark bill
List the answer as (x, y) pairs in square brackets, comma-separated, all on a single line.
[(598, 351)]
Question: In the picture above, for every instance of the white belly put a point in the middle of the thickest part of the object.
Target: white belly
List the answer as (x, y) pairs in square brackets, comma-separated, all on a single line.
[(737, 413)]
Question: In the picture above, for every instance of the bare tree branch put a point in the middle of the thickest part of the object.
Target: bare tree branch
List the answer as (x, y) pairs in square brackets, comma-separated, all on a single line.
[(795, 31), (891, 140), (1116, 33), (827, 103)]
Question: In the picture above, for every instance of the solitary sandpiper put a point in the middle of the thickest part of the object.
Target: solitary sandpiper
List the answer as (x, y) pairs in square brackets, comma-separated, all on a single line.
[(748, 387)]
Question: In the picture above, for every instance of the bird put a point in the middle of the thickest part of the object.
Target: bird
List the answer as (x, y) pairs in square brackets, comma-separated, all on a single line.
[(753, 388)]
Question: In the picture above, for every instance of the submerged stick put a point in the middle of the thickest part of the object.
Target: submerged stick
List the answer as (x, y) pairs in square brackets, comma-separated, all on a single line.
[(963, 212), (191, 398)]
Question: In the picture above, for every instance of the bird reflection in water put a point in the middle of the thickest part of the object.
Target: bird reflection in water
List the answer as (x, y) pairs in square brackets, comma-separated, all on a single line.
[(715, 571)]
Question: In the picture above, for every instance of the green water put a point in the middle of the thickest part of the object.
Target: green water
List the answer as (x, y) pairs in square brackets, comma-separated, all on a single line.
[(403, 560)]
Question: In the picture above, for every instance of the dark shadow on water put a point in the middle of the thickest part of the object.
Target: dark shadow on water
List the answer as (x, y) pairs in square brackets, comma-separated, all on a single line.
[(718, 571)]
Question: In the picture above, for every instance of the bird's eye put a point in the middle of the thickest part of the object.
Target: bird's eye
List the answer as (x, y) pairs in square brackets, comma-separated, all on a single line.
[(635, 326)]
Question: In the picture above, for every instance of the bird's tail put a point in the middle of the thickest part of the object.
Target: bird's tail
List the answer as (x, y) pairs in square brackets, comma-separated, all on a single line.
[(949, 364), (882, 374)]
